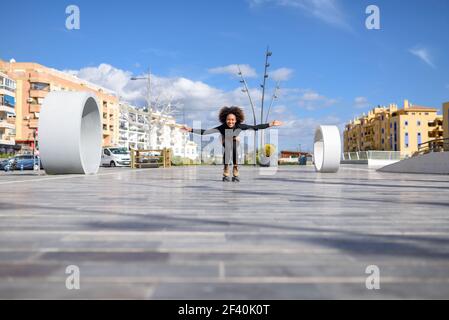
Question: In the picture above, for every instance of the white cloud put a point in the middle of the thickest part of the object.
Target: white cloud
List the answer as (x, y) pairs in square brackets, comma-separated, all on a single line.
[(202, 101), (312, 100), (361, 102), (302, 130), (328, 11), (111, 78), (424, 54), (281, 74), (233, 69)]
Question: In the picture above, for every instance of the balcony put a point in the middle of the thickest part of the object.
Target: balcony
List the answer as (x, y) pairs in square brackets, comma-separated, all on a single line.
[(37, 77), (38, 93), (7, 109), (106, 132), (7, 141), (6, 125), (436, 134), (6, 99), (35, 108), (33, 123), (435, 123), (6, 90)]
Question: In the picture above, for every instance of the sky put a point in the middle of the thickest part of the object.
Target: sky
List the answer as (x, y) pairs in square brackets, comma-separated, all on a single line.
[(331, 68)]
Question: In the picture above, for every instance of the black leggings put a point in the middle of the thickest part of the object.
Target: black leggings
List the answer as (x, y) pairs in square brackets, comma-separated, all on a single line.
[(230, 151)]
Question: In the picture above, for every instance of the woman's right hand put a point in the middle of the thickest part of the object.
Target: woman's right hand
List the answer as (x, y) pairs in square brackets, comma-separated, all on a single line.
[(276, 123), (186, 128)]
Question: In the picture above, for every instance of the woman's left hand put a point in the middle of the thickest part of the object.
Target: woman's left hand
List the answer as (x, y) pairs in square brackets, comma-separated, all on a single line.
[(276, 123)]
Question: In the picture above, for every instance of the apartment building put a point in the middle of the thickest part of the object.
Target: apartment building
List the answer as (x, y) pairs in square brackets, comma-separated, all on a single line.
[(7, 114), (34, 82), (144, 130), (393, 129), (446, 125), (134, 128)]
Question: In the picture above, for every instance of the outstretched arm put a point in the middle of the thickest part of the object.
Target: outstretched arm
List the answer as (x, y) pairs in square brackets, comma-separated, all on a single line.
[(201, 132), (261, 126)]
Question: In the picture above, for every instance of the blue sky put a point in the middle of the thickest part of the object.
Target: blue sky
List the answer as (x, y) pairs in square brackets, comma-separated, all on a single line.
[(332, 67)]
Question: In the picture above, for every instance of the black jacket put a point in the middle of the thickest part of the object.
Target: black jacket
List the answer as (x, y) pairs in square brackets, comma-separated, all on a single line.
[(225, 131)]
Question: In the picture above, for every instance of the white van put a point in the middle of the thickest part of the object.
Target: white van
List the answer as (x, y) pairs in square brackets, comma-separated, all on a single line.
[(115, 157)]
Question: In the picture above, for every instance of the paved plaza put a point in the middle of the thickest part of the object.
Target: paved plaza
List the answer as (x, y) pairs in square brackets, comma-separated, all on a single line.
[(181, 233)]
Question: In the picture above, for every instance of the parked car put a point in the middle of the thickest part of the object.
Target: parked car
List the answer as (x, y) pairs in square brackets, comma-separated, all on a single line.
[(22, 162), (115, 157), (4, 163)]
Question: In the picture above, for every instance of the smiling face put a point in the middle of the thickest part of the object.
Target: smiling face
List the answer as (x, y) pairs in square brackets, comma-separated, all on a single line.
[(231, 120)]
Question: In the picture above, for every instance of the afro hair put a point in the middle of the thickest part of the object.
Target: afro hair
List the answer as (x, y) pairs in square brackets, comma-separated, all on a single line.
[(225, 111)]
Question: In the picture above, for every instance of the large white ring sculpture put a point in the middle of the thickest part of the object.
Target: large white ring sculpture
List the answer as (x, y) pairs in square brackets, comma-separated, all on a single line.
[(70, 133), (327, 149)]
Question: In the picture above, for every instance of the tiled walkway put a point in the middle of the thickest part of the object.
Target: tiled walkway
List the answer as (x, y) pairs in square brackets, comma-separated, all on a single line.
[(182, 233)]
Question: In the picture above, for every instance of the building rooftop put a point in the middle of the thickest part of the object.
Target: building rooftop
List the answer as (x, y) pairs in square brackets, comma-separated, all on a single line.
[(64, 75)]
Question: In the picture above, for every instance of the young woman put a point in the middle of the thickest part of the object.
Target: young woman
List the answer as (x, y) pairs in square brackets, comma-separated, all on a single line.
[(232, 125)]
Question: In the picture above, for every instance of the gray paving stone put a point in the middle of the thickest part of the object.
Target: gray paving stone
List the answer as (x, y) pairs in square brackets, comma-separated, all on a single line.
[(181, 233)]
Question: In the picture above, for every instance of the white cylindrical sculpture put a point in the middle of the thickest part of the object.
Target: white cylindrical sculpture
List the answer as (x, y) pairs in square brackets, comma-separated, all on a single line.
[(327, 149), (70, 133)]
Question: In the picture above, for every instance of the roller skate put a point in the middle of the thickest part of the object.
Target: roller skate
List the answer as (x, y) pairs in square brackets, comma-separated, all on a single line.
[(235, 173), (226, 174)]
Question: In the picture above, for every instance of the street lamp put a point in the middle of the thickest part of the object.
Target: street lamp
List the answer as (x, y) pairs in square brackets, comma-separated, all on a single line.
[(246, 90), (265, 77), (148, 78), (274, 97), (263, 86)]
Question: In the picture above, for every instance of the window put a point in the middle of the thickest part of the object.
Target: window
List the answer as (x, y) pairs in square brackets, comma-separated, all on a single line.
[(40, 86), (383, 141), (120, 151), (419, 138), (406, 140), (418, 123), (406, 123), (106, 152), (8, 101), (10, 84), (383, 130)]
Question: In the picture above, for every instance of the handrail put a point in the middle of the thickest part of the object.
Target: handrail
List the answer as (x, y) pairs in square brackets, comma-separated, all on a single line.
[(371, 155), (436, 145)]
